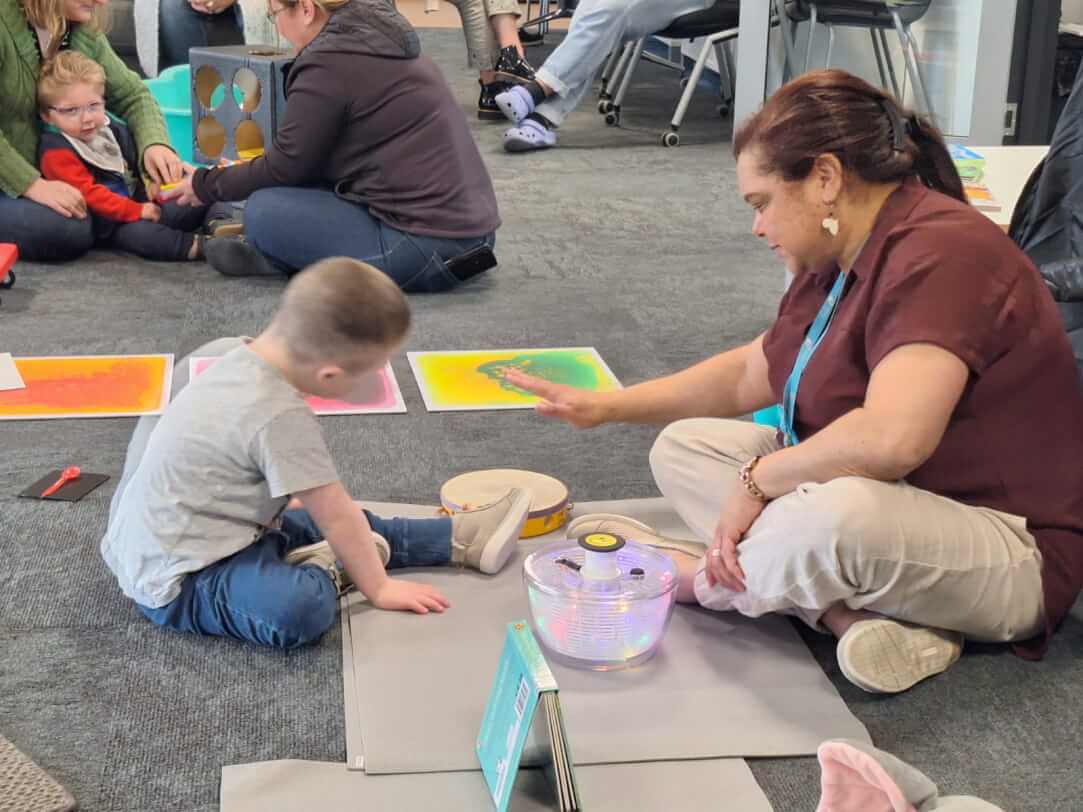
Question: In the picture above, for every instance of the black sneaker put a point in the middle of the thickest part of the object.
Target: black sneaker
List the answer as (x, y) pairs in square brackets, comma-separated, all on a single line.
[(233, 256), (513, 68), (487, 108), (529, 38)]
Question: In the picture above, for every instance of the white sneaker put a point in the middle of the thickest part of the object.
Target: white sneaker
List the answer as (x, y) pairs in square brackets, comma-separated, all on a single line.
[(632, 530), (885, 656), (323, 556), (486, 538)]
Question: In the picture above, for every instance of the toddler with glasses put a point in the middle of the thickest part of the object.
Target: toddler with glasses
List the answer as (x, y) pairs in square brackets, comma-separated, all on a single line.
[(86, 147)]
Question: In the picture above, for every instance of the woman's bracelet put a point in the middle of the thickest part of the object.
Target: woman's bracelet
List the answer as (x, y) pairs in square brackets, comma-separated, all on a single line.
[(750, 484)]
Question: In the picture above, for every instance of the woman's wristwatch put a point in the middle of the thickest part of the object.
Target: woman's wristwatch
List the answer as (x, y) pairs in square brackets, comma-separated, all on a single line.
[(751, 487)]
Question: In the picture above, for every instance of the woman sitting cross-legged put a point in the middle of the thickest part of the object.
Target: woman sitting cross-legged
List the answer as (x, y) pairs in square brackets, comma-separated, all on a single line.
[(926, 485), (373, 159), (48, 219)]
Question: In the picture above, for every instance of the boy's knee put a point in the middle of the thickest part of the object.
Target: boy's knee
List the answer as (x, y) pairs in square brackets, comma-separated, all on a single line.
[(306, 613)]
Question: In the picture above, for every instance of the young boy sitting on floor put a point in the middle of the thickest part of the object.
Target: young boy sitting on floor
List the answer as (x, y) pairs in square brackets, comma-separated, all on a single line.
[(87, 148), (199, 535)]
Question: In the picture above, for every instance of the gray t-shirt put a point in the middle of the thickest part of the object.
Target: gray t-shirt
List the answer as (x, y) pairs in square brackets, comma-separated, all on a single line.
[(218, 468)]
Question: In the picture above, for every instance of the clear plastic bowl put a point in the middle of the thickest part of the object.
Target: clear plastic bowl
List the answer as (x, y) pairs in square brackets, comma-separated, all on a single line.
[(600, 624)]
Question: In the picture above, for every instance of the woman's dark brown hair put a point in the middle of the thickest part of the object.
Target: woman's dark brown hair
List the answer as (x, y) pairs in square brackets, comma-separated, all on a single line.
[(872, 135)]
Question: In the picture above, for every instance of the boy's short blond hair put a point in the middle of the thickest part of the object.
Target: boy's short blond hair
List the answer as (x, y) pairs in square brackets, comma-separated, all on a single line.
[(65, 69), (338, 306)]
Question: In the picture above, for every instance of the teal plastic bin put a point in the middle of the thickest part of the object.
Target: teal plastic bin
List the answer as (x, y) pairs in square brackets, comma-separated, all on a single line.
[(172, 90), (771, 416)]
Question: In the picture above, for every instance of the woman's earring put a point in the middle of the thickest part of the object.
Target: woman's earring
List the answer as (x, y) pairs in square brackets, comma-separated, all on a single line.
[(830, 224)]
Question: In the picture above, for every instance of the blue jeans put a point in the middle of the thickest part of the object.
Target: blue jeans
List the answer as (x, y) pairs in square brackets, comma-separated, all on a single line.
[(295, 227), (255, 596), (599, 26), (41, 234), (180, 27)]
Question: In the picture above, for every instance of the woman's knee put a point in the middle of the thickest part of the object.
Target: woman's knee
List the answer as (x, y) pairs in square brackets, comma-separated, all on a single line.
[(674, 443), (703, 437), (265, 216), (57, 239), (831, 522)]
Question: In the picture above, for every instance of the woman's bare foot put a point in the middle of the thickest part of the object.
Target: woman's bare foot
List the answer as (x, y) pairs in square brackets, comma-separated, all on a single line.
[(840, 617), (688, 568)]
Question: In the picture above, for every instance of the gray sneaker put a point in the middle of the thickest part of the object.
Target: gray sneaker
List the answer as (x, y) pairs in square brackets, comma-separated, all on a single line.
[(485, 539), (321, 555)]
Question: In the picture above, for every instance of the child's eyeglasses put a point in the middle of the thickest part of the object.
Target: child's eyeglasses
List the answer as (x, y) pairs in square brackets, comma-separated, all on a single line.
[(271, 14), (73, 112)]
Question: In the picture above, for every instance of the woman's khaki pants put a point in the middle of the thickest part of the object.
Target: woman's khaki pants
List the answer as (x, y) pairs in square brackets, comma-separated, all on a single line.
[(886, 547)]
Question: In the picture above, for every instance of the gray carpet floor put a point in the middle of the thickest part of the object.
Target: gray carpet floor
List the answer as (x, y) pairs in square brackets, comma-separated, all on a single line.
[(610, 241)]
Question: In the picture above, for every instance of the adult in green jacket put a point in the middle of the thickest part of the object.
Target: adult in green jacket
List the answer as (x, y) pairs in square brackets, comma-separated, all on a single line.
[(46, 219)]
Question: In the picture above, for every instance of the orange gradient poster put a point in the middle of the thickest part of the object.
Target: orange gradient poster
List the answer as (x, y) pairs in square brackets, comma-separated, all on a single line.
[(89, 386)]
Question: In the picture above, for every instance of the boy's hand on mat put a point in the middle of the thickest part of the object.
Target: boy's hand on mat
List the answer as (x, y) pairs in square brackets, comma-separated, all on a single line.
[(580, 407), (407, 596), (63, 198), (162, 164), (738, 514), (150, 212)]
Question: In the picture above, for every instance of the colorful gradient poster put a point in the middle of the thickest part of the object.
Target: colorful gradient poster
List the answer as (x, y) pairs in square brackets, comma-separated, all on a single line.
[(376, 393), (89, 386), (474, 379)]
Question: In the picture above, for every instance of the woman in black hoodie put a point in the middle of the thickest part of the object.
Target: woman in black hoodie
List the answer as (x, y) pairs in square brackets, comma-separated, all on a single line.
[(372, 160)]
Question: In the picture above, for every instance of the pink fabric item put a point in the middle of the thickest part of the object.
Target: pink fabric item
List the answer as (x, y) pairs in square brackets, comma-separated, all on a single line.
[(853, 781)]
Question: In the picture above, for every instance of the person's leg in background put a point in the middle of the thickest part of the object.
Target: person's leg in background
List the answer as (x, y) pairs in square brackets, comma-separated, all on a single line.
[(493, 47), (850, 553), (538, 109), (181, 27), (290, 228), (41, 234)]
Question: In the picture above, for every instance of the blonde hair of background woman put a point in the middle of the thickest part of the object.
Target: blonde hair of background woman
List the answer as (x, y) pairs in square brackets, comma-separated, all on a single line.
[(49, 14), (328, 6)]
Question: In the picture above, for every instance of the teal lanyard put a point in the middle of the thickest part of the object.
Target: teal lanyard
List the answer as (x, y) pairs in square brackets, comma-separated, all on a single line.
[(808, 347)]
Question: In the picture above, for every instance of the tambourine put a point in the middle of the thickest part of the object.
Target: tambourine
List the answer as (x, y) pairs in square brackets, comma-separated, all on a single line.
[(549, 503)]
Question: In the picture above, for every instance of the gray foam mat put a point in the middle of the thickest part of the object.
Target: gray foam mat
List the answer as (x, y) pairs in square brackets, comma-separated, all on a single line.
[(713, 785), (721, 685), (355, 754), (26, 787)]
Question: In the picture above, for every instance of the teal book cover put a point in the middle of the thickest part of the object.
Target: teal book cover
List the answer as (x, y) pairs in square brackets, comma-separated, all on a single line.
[(521, 677)]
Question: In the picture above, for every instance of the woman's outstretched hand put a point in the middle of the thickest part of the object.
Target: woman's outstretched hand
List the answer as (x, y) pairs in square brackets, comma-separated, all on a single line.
[(579, 407)]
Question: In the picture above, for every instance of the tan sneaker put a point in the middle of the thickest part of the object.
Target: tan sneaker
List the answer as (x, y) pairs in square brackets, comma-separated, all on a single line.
[(885, 656), (633, 530), (485, 539), (321, 555)]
